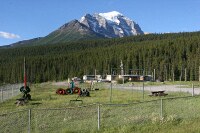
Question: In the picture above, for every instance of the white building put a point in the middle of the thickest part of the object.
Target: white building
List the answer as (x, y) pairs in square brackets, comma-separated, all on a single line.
[(92, 77)]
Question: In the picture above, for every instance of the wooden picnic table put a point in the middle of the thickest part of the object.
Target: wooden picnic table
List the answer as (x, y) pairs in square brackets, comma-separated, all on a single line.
[(158, 93)]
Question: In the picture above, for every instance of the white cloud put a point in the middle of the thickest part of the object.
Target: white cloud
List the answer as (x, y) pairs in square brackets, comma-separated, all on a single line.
[(8, 35)]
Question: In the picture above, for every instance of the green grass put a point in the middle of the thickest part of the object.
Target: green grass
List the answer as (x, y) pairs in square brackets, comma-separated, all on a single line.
[(179, 115), (173, 126), (44, 96)]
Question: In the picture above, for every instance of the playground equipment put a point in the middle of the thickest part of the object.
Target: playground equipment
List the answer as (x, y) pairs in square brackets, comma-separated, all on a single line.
[(24, 89), (75, 90)]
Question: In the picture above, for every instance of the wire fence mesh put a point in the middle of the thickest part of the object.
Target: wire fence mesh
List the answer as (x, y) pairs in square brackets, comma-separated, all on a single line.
[(92, 118), (15, 122), (9, 91), (64, 120), (117, 115), (181, 108)]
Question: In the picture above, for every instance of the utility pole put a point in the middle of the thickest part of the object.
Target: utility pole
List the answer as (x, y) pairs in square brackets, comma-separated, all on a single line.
[(122, 71)]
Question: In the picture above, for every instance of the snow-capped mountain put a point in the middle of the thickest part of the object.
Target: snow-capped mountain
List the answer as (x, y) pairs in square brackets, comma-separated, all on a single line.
[(111, 24), (96, 26)]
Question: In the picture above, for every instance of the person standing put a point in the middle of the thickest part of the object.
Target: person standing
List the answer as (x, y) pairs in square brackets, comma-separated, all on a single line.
[(72, 86)]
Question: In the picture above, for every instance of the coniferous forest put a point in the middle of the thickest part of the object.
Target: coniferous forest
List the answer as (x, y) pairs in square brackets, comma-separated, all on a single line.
[(174, 56)]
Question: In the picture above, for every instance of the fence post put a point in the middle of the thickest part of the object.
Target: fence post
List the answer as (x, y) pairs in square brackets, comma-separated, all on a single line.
[(12, 91), (111, 92), (192, 89), (98, 116), (2, 94), (29, 120), (7, 90), (161, 108), (143, 89)]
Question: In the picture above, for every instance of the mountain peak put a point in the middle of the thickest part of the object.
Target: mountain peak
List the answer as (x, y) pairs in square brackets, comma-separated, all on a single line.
[(111, 16), (99, 25), (111, 24)]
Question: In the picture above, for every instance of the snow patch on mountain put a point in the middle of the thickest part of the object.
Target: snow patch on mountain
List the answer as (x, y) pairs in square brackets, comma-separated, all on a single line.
[(111, 24), (111, 16)]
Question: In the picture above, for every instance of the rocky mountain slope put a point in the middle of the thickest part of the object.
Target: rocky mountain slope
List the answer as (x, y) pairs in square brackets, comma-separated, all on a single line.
[(99, 25), (111, 24)]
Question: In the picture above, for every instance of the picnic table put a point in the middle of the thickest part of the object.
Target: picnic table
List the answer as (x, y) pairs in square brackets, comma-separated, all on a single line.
[(158, 93)]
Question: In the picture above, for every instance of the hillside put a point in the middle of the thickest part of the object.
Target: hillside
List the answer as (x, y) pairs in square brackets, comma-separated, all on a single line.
[(69, 32), (169, 54)]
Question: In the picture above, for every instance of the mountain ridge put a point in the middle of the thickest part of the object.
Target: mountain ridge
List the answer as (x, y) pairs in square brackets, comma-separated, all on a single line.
[(97, 26), (112, 24)]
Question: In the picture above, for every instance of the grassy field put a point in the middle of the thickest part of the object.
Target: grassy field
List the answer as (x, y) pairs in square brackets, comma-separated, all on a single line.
[(44, 96), (179, 115)]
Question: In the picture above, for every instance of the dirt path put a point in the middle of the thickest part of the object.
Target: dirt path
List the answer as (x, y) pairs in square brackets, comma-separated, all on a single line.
[(167, 88)]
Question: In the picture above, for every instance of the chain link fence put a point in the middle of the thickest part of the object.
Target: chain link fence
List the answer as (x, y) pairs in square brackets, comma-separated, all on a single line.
[(92, 118), (140, 91), (81, 119), (9, 91), (15, 122)]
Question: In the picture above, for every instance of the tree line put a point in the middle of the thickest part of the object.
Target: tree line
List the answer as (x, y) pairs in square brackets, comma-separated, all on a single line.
[(173, 56)]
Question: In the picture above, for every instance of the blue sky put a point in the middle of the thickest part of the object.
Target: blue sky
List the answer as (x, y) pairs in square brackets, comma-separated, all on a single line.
[(26, 19)]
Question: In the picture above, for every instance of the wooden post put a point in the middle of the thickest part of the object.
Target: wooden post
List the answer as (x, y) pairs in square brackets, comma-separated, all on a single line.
[(161, 109), (185, 74), (111, 91), (29, 120), (154, 76)]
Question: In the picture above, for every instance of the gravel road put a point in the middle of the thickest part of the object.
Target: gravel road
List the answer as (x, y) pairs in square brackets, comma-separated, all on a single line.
[(167, 88)]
